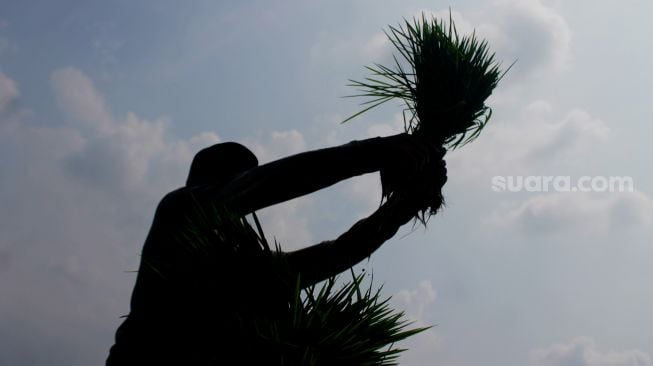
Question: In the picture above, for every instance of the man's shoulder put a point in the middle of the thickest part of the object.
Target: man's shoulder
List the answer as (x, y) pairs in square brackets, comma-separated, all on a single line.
[(175, 200), (187, 199)]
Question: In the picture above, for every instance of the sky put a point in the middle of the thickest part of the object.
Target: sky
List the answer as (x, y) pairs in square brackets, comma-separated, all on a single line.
[(103, 105)]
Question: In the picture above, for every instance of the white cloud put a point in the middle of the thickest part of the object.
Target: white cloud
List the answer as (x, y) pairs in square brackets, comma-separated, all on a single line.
[(8, 91), (414, 302), (284, 222), (583, 351), (425, 346), (287, 224), (278, 145), (535, 34), (578, 212), (575, 133), (120, 158), (377, 47), (528, 31), (77, 201), (537, 141), (120, 153), (365, 189), (80, 101), (387, 129)]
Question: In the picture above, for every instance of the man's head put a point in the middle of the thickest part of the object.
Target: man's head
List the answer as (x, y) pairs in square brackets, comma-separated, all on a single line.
[(219, 163)]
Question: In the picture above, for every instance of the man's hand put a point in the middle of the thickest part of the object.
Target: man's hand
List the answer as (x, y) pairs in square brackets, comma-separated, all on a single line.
[(405, 153), (425, 190), (415, 170)]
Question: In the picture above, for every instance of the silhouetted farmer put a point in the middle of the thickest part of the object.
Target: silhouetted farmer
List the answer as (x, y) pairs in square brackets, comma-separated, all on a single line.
[(182, 305)]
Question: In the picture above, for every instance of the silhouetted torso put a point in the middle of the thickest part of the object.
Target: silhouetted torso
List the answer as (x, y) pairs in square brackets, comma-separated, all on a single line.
[(187, 303)]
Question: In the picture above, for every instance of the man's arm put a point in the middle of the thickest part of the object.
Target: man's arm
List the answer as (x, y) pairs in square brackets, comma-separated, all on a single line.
[(329, 258), (304, 173)]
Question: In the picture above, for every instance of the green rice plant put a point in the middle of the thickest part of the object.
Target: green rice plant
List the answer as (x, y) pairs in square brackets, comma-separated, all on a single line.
[(442, 77), (345, 326)]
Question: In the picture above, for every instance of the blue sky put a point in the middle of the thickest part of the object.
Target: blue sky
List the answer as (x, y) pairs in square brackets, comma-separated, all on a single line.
[(103, 104)]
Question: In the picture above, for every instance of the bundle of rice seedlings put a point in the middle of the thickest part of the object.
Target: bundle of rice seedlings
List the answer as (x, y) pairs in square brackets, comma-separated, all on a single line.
[(443, 79)]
